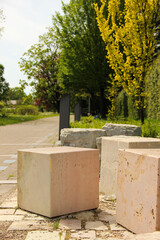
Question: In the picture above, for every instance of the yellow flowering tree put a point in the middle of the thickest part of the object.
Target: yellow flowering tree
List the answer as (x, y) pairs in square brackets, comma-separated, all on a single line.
[(129, 32)]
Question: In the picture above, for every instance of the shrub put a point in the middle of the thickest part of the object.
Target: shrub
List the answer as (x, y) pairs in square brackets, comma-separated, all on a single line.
[(27, 110), (153, 88), (10, 110), (1, 105), (88, 122), (149, 130)]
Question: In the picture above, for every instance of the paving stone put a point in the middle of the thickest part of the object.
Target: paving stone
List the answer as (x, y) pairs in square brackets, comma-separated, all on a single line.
[(35, 218), (28, 225), (8, 181), (9, 161), (111, 211), (10, 218), (70, 224), (97, 225), (22, 212), (127, 234), (84, 234), (145, 236), (85, 216), (3, 168), (41, 235), (9, 204), (7, 211), (104, 216), (116, 227)]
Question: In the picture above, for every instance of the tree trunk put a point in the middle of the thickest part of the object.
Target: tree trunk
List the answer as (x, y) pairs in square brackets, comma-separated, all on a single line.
[(142, 115)]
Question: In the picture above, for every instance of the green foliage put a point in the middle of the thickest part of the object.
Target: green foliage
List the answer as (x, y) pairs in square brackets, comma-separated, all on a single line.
[(56, 225), (28, 100), (27, 110), (4, 86), (3, 113), (125, 107), (40, 64), (88, 122), (148, 130), (153, 88), (16, 93), (129, 32), (121, 108), (132, 108), (83, 68), (2, 105), (13, 118)]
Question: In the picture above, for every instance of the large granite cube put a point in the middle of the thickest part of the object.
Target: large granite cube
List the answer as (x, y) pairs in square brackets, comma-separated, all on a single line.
[(109, 158), (138, 190), (59, 180)]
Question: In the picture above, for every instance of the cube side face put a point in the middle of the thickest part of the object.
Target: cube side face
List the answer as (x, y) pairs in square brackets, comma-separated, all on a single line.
[(34, 182), (137, 186), (74, 182), (109, 163)]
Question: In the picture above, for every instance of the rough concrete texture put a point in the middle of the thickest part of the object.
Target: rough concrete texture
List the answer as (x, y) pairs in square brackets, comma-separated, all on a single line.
[(57, 181), (122, 129), (109, 158), (138, 190), (81, 137)]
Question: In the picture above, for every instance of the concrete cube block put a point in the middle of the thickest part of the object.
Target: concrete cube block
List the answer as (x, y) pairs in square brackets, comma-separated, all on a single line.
[(59, 180), (138, 190), (109, 158)]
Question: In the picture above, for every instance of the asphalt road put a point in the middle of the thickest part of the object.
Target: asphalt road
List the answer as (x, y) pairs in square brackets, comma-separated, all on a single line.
[(33, 134)]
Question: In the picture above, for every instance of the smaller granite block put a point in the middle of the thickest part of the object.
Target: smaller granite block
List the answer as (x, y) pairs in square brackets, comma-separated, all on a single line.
[(122, 129), (138, 190), (109, 158), (57, 181)]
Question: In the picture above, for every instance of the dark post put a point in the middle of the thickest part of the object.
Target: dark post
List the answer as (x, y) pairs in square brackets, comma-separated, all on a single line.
[(77, 111), (64, 112)]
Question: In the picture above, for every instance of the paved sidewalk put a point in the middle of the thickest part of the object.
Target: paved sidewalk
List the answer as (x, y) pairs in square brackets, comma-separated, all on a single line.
[(97, 224)]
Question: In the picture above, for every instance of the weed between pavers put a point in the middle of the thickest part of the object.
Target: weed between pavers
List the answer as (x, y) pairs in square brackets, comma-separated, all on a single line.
[(11, 175), (56, 225)]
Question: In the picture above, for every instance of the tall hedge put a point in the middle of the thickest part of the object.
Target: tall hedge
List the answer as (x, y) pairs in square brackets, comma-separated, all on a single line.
[(153, 89), (125, 106)]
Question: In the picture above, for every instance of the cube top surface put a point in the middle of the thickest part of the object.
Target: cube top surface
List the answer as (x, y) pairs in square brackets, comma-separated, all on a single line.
[(130, 139), (57, 150), (144, 152)]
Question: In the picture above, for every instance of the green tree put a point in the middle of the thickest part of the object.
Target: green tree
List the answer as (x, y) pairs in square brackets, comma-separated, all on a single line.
[(16, 93), (4, 86), (130, 37), (83, 68), (40, 64)]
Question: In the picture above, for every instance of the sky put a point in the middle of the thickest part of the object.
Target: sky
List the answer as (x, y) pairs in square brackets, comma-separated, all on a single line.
[(25, 20)]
